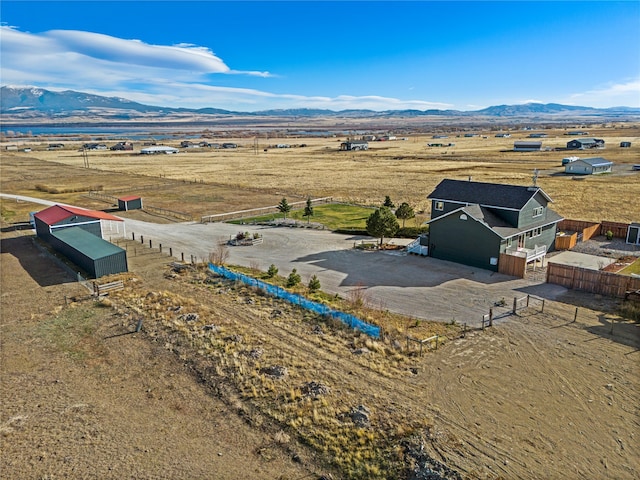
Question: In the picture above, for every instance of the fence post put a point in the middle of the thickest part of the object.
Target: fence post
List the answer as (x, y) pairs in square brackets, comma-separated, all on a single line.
[(171, 251), (160, 248), (491, 317), (150, 244), (437, 337), (515, 305), (141, 238), (575, 316), (542, 309), (182, 256), (528, 300), (133, 236)]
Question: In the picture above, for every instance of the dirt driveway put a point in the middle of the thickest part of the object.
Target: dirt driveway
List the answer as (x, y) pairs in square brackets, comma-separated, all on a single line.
[(417, 286)]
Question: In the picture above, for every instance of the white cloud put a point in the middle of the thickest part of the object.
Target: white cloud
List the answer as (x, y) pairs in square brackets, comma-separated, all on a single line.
[(167, 75), (626, 93)]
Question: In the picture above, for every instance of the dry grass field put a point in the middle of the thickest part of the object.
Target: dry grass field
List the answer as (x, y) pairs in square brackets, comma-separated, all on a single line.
[(223, 382), (407, 170)]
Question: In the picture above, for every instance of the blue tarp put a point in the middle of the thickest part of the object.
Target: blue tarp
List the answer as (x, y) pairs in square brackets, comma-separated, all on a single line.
[(295, 299)]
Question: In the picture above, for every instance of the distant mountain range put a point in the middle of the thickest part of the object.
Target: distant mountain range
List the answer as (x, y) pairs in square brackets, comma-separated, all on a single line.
[(37, 104)]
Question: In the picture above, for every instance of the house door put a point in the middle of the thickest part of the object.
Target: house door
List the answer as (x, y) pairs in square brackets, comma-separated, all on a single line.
[(633, 235), (521, 239)]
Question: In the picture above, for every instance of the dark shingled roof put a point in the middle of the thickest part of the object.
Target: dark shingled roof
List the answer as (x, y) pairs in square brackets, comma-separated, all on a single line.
[(485, 194), (496, 224)]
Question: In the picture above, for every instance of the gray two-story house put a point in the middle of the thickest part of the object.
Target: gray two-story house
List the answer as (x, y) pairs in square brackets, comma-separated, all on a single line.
[(473, 223)]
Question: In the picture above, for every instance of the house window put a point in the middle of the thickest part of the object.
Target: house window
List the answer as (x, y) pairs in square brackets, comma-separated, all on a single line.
[(536, 232), (439, 206), (538, 211)]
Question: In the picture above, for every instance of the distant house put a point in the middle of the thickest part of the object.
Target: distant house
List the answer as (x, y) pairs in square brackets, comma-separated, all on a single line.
[(94, 146), (440, 136), (386, 138), (131, 202), (353, 145), (589, 166), (538, 135), (189, 144), (474, 223), (469, 135), (577, 132), (503, 135), (368, 138), (156, 150), (527, 146), (625, 144), (122, 146), (229, 145), (585, 143), (11, 148), (55, 146)]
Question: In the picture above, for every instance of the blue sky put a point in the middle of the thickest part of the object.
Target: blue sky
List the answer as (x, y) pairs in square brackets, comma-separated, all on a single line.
[(250, 56)]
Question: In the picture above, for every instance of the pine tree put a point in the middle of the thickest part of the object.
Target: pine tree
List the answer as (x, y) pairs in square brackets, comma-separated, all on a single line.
[(308, 210), (284, 207), (382, 223), (294, 278), (404, 212), (314, 284)]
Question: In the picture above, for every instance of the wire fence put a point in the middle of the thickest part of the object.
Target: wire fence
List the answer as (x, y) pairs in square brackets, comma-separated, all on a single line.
[(295, 299)]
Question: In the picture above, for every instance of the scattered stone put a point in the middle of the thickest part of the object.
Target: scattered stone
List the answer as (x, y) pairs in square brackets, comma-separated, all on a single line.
[(255, 353), (413, 370), (609, 386), (275, 371), (234, 338), (314, 389), (189, 317), (360, 416), (249, 300), (361, 351), (210, 328), (317, 329), (276, 313), (175, 309)]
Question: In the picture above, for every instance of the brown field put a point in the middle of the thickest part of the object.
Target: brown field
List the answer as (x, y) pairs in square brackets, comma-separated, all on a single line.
[(536, 396), (407, 170)]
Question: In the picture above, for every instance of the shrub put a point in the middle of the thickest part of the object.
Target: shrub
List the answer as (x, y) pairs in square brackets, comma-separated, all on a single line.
[(272, 271), (314, 284), (609, 235), (294, 278)]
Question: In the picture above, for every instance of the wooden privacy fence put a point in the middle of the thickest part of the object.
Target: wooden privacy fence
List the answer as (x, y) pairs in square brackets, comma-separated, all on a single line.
[(584, 229), (566, 242), (594, 281), (512, 265), (618, 229)]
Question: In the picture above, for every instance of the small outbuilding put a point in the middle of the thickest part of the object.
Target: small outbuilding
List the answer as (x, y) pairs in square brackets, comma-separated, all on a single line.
[(131, 202), (527, 146), (95, 256), (59, 217), (353, 145), (589, 166)]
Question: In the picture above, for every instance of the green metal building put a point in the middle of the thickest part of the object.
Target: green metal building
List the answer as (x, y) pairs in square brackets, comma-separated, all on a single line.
[(94, 255)]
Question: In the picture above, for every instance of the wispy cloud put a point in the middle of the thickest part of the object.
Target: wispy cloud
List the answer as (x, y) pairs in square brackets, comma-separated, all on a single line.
[(181, 75), (614, 94)]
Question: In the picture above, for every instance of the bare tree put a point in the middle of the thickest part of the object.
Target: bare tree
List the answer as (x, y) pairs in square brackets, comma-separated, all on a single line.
[(220, 253)]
